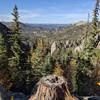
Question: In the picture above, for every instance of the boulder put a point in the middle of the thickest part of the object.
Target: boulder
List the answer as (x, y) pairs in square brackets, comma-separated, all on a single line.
[(3, 93), (94, 98), (16, 96)]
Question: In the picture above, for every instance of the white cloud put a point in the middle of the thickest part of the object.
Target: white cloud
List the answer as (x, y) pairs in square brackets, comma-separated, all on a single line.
[(25, 15), (63, 17), (30, 16)]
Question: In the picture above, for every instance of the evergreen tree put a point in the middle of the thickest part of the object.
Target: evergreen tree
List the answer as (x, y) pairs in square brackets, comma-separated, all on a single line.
[(15, 37), (1, 45), (25, 62), (95, 24), (91, 41), (3, 59), (15, 49), (48, 65), (85, 67), (95, 21), (20, 63), (16, 20)]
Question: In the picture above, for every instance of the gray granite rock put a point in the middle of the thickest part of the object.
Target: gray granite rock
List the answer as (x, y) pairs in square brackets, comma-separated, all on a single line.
[(94, 98), (3, 93), (17, 96)]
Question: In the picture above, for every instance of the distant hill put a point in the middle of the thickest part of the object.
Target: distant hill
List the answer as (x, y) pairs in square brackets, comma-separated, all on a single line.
[(80, 23), (53, 31), (73, 31), (4, 29), (34, 26), (36, 29)]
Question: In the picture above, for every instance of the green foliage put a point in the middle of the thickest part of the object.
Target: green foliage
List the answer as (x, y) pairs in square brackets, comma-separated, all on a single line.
[(15, 56), (58, 69), (85, 72), (48, 65), (97, 52), (5, 79), (42, 64), (1, 45), (3, 58), (15, 49), (88, 48), (25, 68), (15, 20), (95, 20), (66, 66)]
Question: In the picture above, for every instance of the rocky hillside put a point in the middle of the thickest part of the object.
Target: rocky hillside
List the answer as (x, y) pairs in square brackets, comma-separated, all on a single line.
[(4, 29)]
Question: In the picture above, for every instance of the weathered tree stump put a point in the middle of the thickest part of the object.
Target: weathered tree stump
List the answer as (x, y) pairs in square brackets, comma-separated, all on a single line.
[(52, 88)]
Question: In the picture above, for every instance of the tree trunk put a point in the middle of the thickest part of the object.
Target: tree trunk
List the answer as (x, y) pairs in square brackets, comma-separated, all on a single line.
[(52, 88)]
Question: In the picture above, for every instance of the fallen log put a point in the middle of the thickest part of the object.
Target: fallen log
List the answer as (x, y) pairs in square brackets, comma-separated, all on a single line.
[(52, 88)]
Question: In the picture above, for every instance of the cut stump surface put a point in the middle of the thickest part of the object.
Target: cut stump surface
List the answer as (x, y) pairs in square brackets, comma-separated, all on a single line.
[(52, 88)]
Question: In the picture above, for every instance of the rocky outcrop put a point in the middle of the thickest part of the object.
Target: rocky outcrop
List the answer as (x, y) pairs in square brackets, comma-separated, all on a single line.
[(53, 47)]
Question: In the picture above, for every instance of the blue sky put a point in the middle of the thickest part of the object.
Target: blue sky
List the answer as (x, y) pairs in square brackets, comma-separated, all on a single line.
[(47, 11)]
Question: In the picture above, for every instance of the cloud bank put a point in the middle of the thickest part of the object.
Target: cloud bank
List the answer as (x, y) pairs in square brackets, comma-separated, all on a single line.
[(41, 16)]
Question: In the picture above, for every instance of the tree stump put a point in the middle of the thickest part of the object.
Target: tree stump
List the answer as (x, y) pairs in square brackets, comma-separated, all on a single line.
[(52, 88)]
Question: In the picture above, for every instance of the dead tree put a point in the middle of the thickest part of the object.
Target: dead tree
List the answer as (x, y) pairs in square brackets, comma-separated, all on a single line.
[(52, 88)]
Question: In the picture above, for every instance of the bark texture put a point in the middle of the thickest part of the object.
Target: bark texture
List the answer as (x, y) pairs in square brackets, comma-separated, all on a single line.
[(52, 88)]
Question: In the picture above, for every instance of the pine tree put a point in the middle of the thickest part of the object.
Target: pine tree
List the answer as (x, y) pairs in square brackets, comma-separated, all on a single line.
[(91, 41), (20, 62), (16, 20), (1, 45), (95, 23), (85, 67), (3, 59), (95, 18), (16, 50)]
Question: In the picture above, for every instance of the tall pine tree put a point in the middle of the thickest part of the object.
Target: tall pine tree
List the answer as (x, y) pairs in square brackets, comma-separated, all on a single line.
[(86, 67), (16, 50), (91, 40), (21, 59), (95, 21), (16, 20)]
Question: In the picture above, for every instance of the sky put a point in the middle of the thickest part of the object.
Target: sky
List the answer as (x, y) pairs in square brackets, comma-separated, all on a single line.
[(47, 11)]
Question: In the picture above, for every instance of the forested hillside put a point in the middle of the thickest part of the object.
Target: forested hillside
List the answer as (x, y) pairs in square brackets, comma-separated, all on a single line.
[(54, 31)]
